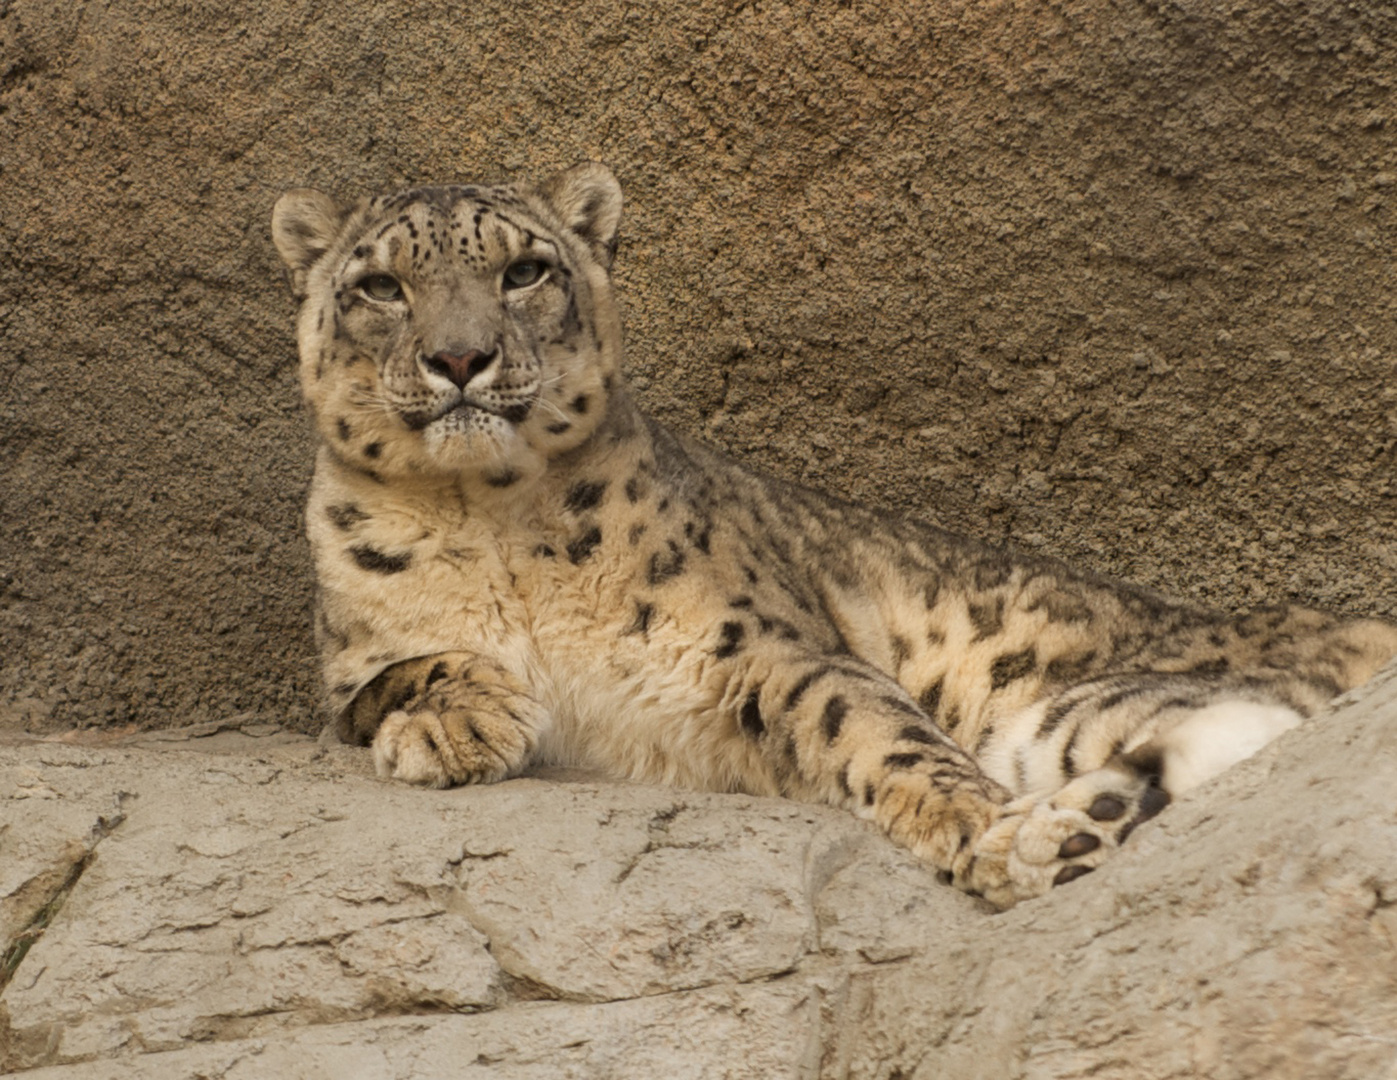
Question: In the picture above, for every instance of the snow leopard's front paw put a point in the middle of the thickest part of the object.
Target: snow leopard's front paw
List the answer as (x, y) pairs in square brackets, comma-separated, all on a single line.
[(1039, 843), (472, 724)]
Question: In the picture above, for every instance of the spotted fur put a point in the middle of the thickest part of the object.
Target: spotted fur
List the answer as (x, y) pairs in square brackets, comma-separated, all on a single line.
[(516, 565)]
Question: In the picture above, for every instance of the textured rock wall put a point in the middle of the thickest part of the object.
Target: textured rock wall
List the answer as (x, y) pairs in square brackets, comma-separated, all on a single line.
[(1113, 280)]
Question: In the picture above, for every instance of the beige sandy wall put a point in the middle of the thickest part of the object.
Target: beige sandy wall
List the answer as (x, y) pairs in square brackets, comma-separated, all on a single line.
[(1112, 280)]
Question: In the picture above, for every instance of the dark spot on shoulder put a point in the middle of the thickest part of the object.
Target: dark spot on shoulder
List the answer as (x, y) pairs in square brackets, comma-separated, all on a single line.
[(912, 733), (1061, 606), (832, 719), (637, 531), (641, 624), (993, 574), (584, 495), (930, 699), (902, 649), (584, 545), (730, 636), (1068, 669), (751, 717), (373, 450), (666, 564), (987, 617), (806, 681), (560, 427), (633, 489), (345, 516), (502, 479), (579, 404), (380, 562), (345, 431), (770, 625), (898, 705), (903, 761), (1012, 666)]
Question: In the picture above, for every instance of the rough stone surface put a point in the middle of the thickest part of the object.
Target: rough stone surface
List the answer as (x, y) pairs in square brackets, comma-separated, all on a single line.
[(1111, 280), (262, 906)]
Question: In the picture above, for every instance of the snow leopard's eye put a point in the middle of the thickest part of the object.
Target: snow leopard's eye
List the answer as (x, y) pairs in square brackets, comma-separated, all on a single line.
[(381, 287), (522, 273)]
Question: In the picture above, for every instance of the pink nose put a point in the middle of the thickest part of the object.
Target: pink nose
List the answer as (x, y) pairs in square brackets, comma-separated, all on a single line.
[(460, 368)]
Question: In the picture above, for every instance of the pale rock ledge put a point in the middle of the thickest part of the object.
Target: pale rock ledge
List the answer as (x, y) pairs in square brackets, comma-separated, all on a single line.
[(242, 902)]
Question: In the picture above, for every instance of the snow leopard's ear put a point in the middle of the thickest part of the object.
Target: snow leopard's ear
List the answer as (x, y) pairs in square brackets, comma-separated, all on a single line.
[(587, 198), (304, 225)]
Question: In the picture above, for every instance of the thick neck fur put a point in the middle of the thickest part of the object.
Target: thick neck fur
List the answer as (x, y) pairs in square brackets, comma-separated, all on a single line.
[(622, 432)]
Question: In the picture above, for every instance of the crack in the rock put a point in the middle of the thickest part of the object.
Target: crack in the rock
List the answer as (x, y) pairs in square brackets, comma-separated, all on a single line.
[(524, 988), (658, 828), (231, 1027), (652, 846), (18, 947), (54, 887), (237, 778), (874, 961), (226, 1027), (478, 856), (519, 987)]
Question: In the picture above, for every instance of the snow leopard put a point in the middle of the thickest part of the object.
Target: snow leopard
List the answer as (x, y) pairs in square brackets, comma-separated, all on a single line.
[(517, 566)]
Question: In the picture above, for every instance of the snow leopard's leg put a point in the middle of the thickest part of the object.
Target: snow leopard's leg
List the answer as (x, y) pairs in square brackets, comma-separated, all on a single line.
[(452, 718), (1105, 756), (836, 730)]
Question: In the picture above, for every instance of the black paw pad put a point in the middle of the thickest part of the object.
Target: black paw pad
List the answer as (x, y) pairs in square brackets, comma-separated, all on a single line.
[(1070, 873), (1152, 802), (1106, 808), (1075, 846)]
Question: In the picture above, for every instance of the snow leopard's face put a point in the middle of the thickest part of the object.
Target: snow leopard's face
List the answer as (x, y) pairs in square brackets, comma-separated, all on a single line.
[(457, 330)]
